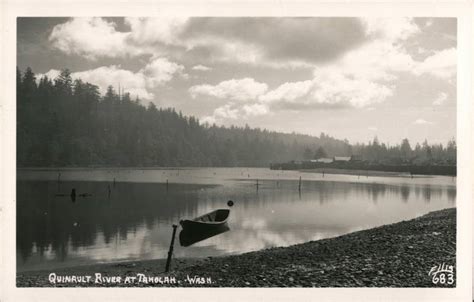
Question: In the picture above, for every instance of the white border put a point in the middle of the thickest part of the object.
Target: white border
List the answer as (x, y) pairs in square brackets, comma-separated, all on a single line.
[(11, 9)]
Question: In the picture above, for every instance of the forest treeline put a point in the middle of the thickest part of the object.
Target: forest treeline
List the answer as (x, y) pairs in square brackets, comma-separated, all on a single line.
[(61, 122)]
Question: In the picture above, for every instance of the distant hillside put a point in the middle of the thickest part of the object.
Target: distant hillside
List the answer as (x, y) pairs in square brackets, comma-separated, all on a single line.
[(62, 122)]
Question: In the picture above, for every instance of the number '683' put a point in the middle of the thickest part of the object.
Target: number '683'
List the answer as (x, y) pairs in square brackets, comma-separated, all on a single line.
[(443, 278)]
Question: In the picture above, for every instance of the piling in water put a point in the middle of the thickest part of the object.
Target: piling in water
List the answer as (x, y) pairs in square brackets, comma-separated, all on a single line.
[(59, 181), (170, 252), (73, 195)]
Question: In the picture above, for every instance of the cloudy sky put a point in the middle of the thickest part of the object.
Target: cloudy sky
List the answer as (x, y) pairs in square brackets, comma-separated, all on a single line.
[(349, 77)]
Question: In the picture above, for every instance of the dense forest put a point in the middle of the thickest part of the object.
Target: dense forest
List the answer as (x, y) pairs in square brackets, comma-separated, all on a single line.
[(61, 122)]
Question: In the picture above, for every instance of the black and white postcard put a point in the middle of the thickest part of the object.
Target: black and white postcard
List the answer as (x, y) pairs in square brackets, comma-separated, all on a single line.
[(308, 147)]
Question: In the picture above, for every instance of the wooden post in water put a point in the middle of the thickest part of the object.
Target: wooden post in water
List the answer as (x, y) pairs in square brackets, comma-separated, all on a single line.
[(73, 195), (59, 180), (167, 185), (299, 185), (170, 252), (114, 182), (257, 184)]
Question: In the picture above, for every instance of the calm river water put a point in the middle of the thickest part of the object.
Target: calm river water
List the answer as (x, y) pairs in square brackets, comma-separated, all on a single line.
[(133, 220)]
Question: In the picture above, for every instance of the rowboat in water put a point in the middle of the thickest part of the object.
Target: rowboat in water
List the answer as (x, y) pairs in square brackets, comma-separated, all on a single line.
[(206, 222)]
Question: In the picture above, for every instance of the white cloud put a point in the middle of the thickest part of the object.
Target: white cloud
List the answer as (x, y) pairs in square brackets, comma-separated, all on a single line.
[(232, 111), (289, 91), (233, 51), (157, 72), (422, 122), (440, 99), (335, 88), (329, 87), (134, 83), (201, 68), (380, 59), (146, 31), (161, 70), (376, 61), (239, 90), (51, 74), (442, 64), (391, 29), (226, 112), (97, 37), (255, 109), (384, 57), (91, 38), (222, 113)]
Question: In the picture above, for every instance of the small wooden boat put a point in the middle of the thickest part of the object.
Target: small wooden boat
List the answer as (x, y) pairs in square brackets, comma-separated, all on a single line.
[(206, 222)]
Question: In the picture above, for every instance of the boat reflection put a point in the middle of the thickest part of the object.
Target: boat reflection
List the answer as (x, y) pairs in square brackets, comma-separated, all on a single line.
[(189, 237)]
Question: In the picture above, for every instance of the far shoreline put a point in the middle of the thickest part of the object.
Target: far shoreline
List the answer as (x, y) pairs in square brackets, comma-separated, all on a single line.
[(322, 171), (365, 173)]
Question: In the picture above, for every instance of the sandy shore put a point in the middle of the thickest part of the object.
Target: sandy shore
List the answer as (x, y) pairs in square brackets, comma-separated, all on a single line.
[(396, 255)]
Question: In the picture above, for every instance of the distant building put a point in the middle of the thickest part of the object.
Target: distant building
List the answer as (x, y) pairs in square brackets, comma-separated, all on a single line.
[(342, 158), (356, 158), (325, 160)]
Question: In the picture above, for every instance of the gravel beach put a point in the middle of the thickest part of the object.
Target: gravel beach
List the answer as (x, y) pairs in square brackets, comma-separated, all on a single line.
[(396, 255)]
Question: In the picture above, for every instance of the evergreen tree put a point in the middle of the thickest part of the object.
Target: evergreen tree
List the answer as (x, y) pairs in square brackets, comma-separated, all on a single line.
[(320, 153)]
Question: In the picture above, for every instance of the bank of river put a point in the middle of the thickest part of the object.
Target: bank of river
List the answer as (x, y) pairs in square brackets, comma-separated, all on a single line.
[(395, 255), (361, 173)]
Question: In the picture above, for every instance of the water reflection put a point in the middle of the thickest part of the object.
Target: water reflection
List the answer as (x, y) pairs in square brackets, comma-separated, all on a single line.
[(405, 192), (132, 220), (189, 237), (46, 220)]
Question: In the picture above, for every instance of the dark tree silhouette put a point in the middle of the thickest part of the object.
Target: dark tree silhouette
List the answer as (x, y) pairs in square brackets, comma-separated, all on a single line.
[(320, 153), (61, 122)]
